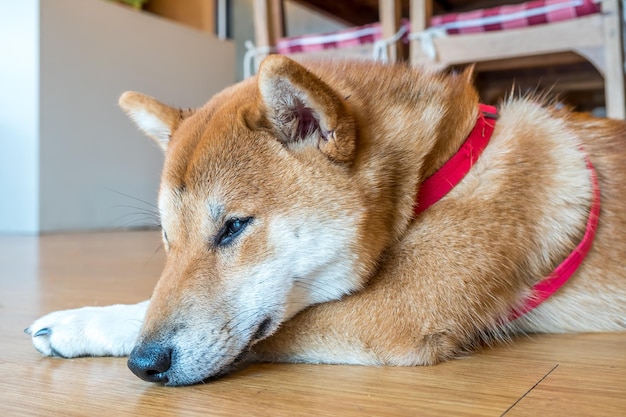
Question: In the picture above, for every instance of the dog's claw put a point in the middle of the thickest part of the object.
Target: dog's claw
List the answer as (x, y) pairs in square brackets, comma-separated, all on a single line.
[(43, 332)]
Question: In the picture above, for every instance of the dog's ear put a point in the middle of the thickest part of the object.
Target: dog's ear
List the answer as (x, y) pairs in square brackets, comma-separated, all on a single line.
[(469, 73), (155, 119), (303, 109)]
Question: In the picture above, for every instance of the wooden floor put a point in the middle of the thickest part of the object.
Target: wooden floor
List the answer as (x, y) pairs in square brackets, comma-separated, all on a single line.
[(547, 375)]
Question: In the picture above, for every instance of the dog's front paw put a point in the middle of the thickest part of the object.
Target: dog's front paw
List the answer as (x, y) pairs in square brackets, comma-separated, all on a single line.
[(88, 331)]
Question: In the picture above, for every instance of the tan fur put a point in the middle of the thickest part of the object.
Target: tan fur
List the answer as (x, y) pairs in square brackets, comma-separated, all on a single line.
[(344, 166)]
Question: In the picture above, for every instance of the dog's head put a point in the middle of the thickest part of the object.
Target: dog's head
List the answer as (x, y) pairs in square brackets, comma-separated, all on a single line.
[(260, 217)]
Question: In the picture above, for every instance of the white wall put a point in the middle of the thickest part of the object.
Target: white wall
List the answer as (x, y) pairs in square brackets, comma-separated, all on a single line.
[(19, 112), (90, 154)]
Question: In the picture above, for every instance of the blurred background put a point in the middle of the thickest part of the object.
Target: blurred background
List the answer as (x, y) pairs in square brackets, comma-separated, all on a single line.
[(71, 160)]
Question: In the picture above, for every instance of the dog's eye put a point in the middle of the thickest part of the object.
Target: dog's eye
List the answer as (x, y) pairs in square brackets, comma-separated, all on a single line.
[(166, 240), (231, 229)]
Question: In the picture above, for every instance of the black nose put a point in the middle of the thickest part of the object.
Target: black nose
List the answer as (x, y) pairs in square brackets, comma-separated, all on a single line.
[(150, 361)]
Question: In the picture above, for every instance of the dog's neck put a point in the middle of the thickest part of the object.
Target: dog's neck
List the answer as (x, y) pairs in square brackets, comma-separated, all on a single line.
[(437, 185), (456, 123), (437, 116)]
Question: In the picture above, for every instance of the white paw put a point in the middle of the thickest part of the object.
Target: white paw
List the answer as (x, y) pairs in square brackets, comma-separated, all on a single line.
[(89, 331)]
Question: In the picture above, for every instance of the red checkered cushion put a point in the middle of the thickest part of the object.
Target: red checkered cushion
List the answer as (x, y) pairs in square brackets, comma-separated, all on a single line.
[(515, 16), (497, 18), (346, 38)]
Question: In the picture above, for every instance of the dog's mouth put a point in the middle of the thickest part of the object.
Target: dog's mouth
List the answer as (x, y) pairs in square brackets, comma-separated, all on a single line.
[(262, 331)]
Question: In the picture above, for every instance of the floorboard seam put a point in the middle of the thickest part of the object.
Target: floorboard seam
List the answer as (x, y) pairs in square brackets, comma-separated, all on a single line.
[(529, 390)]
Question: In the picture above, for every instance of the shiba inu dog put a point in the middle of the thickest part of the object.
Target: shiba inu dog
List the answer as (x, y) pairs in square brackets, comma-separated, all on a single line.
[(359, 213)]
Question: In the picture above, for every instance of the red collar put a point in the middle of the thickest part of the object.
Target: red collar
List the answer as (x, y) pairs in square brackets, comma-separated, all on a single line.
[(452, 172), (551, 284), (435, 187)]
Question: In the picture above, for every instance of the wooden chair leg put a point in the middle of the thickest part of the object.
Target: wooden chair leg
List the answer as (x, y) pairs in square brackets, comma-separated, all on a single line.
[(269, 22), (613, 51), (421, 12), (390, 12)]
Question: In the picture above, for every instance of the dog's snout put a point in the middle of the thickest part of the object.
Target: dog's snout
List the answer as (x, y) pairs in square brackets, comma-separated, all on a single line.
[(150, 362)]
